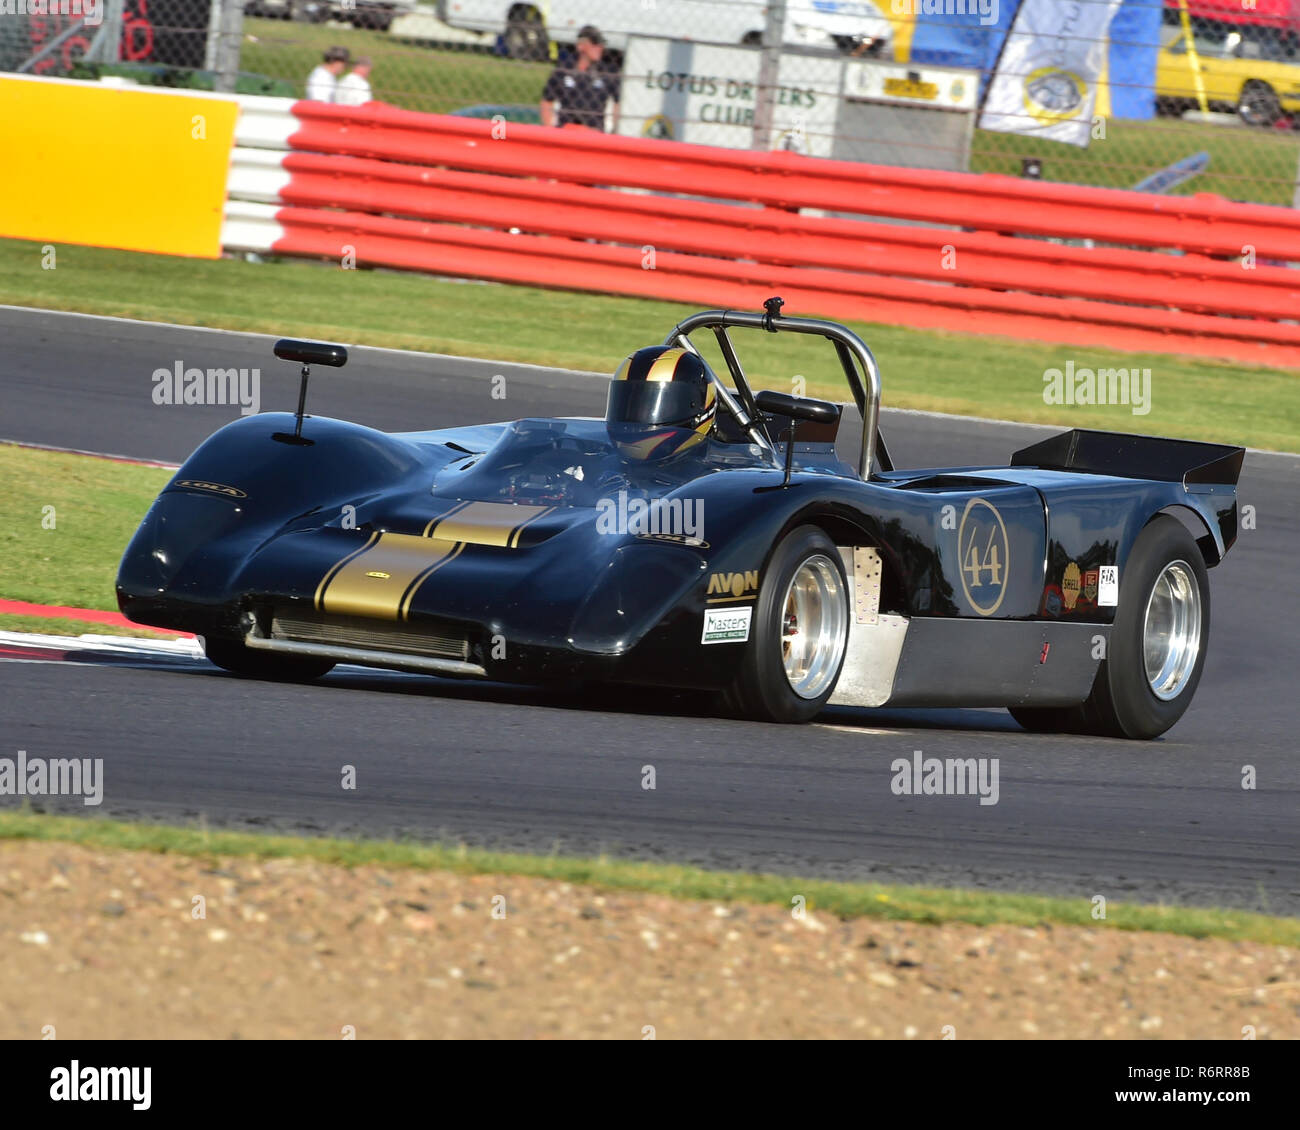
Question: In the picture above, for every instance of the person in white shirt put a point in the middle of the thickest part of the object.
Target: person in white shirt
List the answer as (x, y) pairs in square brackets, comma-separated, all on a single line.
[(354, 87), (322, 83)]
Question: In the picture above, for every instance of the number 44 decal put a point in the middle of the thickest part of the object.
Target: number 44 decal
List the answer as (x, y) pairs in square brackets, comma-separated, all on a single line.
[(975, 566), (984, 554)]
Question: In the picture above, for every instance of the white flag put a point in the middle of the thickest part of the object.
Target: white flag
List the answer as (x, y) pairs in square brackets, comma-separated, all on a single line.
[(1046, 81)]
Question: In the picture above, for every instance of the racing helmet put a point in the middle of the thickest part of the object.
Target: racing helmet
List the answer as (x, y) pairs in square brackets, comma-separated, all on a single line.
[(661, 403)]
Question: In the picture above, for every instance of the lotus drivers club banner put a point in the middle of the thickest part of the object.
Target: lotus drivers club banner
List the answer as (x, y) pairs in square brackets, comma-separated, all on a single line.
[(1046, 80)]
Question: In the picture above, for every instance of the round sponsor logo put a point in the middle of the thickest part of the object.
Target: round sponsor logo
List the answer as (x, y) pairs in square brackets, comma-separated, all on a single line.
[(1053, 94), (658, 127)]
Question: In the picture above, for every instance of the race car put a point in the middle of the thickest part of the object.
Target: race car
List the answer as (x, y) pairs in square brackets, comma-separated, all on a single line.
[(701, 536)]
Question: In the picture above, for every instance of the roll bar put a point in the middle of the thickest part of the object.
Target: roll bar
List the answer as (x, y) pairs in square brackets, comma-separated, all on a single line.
[(848, 347)]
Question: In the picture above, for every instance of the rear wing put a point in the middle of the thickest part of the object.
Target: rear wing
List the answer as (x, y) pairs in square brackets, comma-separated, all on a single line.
[(1135, 457)]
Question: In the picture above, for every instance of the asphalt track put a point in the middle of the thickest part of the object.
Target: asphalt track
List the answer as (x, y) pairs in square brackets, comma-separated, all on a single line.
[(513, 768)]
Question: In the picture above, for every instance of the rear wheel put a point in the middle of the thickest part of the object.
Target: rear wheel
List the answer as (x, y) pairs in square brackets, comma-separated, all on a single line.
[(233, 655), (525, 36), (1157, 645), (798, 634)]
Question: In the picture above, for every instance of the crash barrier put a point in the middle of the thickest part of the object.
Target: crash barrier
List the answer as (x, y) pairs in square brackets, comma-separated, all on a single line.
[(574, 209), (584, 211), (111, 166)]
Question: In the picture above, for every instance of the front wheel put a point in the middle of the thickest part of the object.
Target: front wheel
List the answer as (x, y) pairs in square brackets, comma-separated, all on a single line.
[(799, 632), (234, 656), (1259, 105)]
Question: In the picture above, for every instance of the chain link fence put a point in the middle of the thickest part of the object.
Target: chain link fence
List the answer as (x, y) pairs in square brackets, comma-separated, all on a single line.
[(1170, 95)]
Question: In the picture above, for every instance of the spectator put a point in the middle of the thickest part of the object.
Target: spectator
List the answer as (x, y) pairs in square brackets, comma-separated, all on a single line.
[(582, 87), (354, 87), (322, 83)]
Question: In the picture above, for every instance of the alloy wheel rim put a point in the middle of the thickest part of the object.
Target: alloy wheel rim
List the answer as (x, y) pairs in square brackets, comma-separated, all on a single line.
[(814, 619), (1171, 631)]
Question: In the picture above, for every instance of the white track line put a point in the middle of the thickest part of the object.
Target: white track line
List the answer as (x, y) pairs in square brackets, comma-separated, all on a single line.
[(93, 454), (117, 645)]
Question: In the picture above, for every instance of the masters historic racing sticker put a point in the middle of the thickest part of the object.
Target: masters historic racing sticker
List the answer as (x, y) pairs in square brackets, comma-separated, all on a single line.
[(727, 625)]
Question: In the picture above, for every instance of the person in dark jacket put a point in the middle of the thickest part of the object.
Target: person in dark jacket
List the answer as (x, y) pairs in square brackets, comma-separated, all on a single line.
[(580, 87)]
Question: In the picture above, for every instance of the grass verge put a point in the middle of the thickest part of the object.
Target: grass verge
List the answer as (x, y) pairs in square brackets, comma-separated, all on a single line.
[(435, 80), (944, 372), (64, 522), (870, 900)]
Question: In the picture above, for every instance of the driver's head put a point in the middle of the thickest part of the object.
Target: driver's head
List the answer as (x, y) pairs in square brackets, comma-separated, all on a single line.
[(661, 402)]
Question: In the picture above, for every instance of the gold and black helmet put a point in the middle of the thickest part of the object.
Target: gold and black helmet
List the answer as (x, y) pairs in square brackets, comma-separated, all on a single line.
[(661, 402)]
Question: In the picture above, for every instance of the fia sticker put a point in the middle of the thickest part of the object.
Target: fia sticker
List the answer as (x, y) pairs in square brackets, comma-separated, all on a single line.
[(727, 625), (1108, 586)]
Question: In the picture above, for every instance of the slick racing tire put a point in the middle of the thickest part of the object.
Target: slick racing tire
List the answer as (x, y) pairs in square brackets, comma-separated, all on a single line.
[(233, 656), (1157, 645), (798, 634)]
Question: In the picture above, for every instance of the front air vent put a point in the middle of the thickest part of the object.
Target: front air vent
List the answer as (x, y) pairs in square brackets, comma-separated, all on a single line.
[(444, 641)]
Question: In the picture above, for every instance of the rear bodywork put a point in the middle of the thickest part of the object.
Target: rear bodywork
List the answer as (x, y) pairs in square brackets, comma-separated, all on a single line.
[(528, 551)]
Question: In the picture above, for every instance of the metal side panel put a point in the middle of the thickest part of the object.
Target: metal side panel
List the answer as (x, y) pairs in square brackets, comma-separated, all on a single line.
[(961, 662), (870, 660), (875, 640)]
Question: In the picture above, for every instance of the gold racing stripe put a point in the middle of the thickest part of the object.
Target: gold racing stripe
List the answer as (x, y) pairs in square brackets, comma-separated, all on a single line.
[(380, 581), (485, 523), (404, 608), (665, 365), (333, 570), (381, 578)]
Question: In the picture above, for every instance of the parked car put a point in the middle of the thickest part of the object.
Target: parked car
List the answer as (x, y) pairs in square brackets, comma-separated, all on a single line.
[(528, 29), (1251, 70)]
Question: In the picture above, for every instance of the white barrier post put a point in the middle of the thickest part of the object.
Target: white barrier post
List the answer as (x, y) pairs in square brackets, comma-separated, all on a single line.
[(228, 40), (768, 71)]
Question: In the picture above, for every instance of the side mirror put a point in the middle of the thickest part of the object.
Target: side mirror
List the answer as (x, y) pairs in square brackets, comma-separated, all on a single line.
[(798, 407), (306, 354), (311, 352)]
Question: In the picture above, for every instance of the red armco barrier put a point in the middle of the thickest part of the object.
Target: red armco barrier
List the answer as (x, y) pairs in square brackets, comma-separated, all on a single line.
[(545, 207)]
